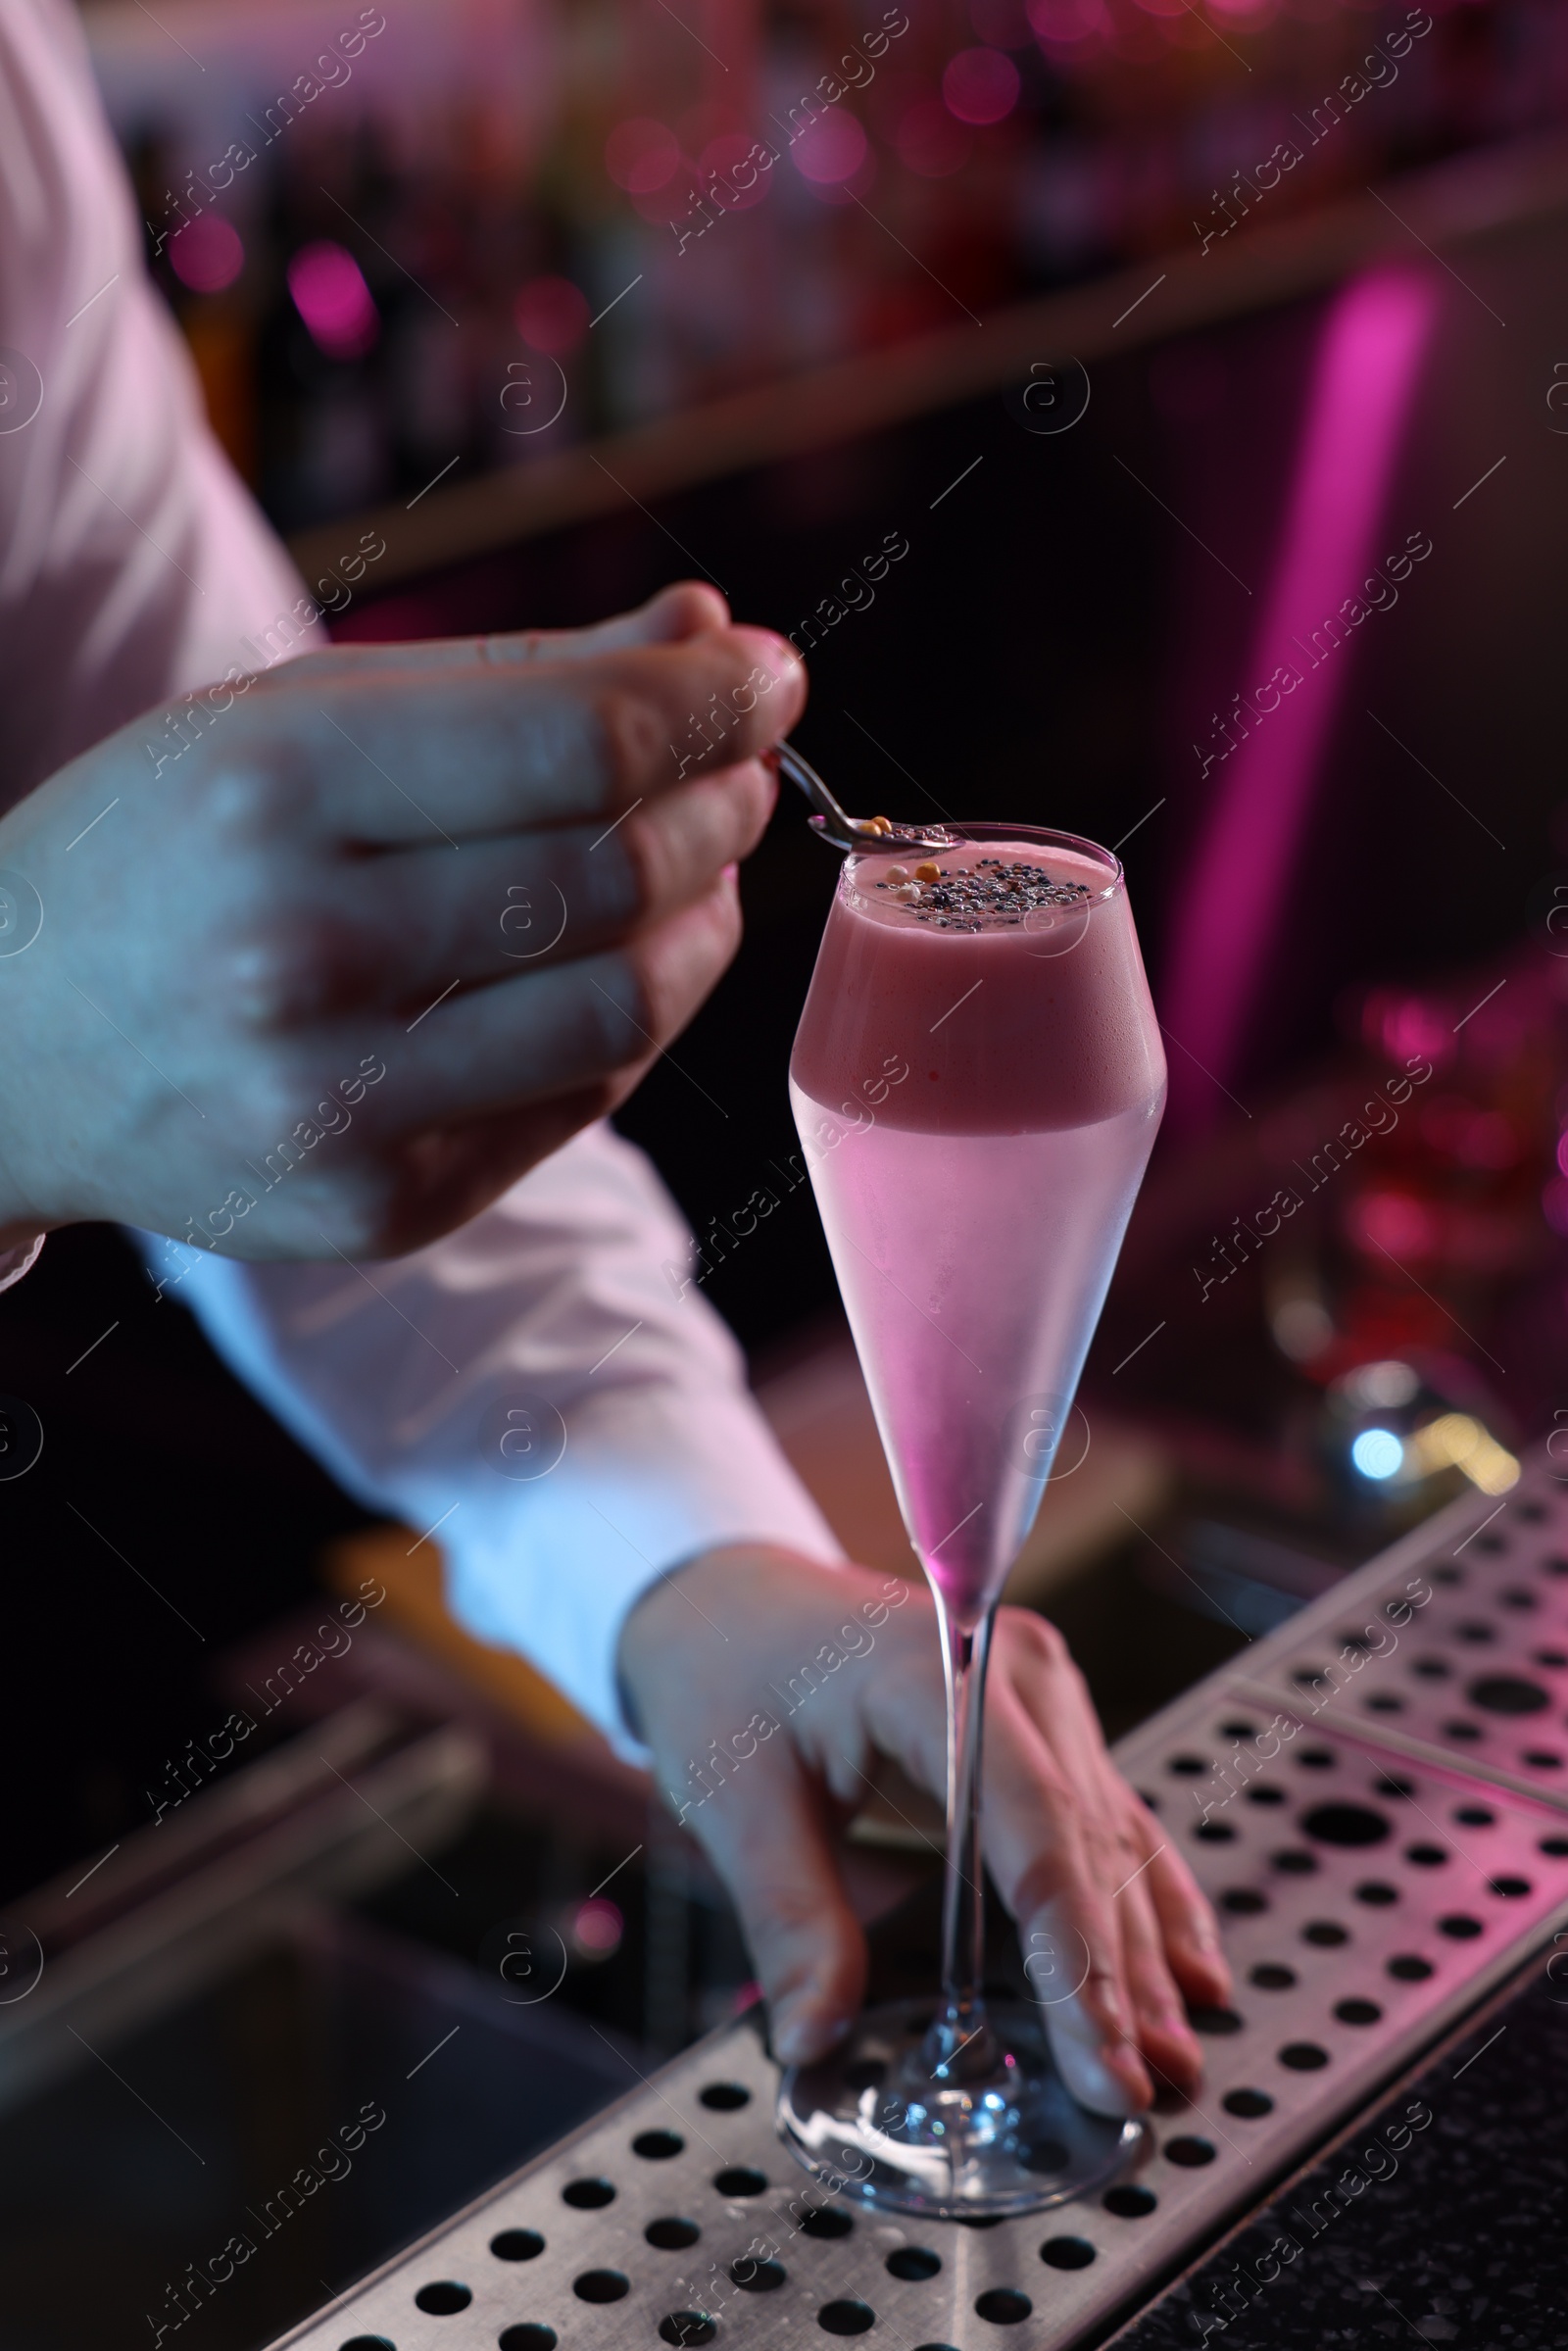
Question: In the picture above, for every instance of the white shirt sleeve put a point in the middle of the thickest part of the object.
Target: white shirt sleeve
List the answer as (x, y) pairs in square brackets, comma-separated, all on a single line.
[(531, 1389), (133, 564), (536, 1392)]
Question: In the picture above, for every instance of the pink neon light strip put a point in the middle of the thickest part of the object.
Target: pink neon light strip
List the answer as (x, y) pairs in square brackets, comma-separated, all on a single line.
[(1367, 367)]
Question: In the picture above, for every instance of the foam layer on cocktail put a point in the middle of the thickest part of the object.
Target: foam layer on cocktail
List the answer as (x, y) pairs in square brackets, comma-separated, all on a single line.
[(1039, 1017)]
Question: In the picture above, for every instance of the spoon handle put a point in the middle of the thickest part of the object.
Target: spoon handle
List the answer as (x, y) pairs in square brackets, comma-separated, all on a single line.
[(833, 824)]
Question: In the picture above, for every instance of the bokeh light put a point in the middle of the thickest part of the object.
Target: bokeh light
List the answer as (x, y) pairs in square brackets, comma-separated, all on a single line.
[(832, 151), (641, 155), (334, 300), (1405, 1027), (1063, 24), (597, 1929), (1302, 1328), (1457, 1440), (1395, 1224), (552, 314), (1378, 1454), (207, 255), (1386, 1386), (980, 85)]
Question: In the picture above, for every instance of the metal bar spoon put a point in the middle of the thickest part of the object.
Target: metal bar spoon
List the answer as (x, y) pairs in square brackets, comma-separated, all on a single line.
[(832, 824)]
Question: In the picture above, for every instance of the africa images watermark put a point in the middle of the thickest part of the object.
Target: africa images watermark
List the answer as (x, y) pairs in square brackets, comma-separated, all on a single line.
[(332, 70), (824, 1137), (20, 390), (331, 1116), (856, 1639), (1248, 1757), (183, 2301), (1231, 2297), (332, 1640), (283, 638), (1379, 595), (855, 589), (1244, 1241), (705, 729), (804, 116), (1378, 72), (754, 2266)]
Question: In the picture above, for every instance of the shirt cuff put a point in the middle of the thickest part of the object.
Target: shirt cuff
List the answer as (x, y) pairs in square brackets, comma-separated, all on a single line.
[(553, 1524), (659, 1480)]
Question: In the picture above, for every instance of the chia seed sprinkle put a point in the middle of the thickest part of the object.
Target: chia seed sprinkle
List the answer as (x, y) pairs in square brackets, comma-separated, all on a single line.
[(992, 894)]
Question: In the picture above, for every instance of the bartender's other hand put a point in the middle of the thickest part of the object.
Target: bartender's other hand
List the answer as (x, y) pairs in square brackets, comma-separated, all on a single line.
[(500, 873), (1113, 1926)]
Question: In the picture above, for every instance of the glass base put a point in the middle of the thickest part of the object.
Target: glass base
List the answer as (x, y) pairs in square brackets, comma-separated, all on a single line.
[(993, 2131)]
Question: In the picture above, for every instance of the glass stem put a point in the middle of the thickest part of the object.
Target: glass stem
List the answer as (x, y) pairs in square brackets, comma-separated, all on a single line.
[(963, 2017)]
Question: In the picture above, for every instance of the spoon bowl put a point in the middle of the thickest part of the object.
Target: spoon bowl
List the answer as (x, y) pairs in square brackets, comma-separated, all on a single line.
[(833, 824)]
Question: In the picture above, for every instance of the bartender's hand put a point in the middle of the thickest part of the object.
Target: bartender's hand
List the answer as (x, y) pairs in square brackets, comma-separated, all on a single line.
[(1110, 1918), (362, 864)]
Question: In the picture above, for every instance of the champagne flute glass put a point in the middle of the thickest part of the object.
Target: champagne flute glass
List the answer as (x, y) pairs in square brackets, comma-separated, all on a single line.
[(978, 1081)]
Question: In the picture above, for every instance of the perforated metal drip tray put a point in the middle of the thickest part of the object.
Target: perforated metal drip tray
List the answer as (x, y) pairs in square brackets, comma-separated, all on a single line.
[(1375, 1874)]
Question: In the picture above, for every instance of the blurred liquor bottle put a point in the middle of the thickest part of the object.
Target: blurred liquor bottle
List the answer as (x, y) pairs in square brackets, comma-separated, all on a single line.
[(584, 190)]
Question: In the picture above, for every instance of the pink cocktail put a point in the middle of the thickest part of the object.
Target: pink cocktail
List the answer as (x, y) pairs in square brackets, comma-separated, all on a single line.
[(977, 1080)]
